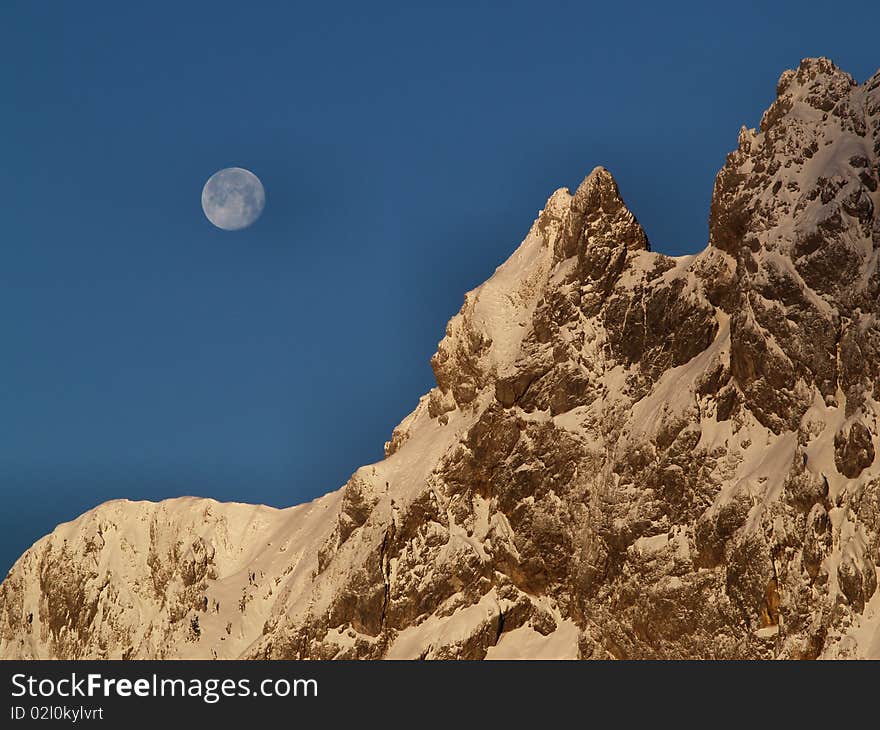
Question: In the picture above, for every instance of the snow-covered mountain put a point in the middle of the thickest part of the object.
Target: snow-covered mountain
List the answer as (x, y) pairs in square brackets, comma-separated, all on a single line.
[(626, 454)]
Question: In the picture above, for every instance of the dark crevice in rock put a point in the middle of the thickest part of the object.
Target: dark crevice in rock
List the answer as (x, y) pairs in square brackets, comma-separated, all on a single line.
[(500, 628), (384, 570)]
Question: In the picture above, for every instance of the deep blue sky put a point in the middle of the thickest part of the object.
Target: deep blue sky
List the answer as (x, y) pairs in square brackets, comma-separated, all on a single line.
[(405, 151)]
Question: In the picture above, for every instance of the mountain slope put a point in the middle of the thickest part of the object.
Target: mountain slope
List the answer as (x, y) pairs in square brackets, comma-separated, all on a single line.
[(626, 454)]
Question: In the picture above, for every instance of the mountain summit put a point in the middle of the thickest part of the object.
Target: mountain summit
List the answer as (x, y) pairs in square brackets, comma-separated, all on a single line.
[(627, 455)]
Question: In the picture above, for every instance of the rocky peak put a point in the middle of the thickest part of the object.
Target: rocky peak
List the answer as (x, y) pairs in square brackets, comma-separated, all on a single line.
[(816, 82), (585, 239), (599, 219), (809, 175), (794, 206)]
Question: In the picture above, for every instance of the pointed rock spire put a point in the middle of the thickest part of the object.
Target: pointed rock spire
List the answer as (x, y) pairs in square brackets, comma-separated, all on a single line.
[(599, 217)]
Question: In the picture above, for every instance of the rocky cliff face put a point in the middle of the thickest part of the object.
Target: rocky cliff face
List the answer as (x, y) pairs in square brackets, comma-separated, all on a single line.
[(626, 455)]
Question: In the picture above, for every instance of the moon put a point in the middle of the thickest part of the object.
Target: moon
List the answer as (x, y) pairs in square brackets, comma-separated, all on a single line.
[(233, 198)]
